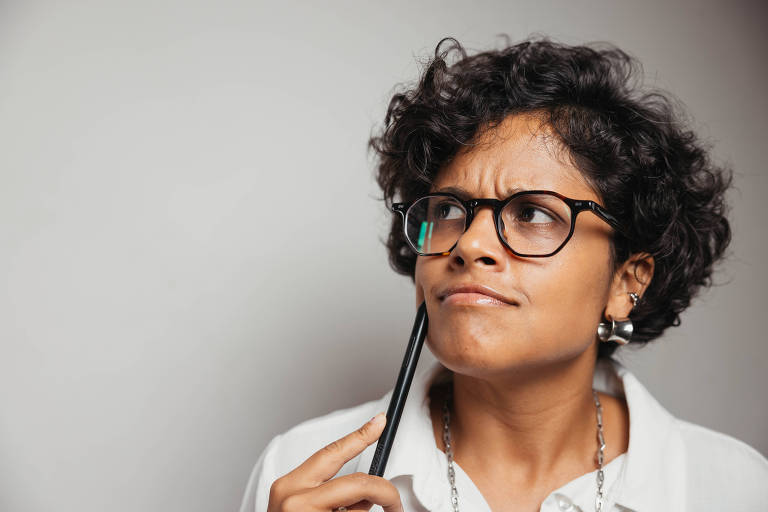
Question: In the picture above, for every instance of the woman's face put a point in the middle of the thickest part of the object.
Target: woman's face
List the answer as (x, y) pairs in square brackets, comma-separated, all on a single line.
[(555, 303)]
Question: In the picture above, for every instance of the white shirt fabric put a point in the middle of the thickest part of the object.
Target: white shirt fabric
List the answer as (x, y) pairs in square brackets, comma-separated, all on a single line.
[(670, 465)]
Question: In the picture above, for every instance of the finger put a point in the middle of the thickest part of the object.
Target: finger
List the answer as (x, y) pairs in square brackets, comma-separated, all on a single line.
[(351, 490), (326, 462), (360, 506)]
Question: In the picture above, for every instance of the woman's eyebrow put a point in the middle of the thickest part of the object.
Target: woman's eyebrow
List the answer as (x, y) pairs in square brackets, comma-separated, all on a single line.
[(455, 190), (464, 194)]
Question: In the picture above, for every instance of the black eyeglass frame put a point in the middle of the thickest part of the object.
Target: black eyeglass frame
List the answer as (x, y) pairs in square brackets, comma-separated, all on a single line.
[(576, 205)]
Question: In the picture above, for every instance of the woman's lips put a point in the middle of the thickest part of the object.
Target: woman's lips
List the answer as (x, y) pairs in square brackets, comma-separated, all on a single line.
[(474, 293), (468, 298)]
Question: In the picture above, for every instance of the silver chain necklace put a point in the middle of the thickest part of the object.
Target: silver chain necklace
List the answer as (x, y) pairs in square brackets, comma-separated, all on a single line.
[(452, 473)]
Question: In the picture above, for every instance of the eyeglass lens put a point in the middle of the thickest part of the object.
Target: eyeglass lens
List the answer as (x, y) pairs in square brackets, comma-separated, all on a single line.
[(535, 224)]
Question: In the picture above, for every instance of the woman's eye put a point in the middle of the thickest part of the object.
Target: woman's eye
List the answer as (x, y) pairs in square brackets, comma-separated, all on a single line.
[(448, 211), (534, 215)]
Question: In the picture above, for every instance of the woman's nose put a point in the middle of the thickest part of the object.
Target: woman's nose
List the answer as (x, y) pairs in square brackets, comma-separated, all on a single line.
[(480, 244)]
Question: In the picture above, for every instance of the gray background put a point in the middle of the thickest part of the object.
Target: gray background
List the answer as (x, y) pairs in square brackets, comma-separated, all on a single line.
[(166, 308)]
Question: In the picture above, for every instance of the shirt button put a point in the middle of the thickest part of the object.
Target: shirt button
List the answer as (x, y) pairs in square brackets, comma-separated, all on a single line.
[(565, 504)]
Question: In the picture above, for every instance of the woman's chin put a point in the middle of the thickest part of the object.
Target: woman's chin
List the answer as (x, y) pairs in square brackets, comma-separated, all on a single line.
[(487, 356), (468, 353)]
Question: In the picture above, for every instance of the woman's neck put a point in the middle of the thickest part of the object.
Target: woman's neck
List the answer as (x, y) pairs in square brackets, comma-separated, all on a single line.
[(534, 428), (525, 422)]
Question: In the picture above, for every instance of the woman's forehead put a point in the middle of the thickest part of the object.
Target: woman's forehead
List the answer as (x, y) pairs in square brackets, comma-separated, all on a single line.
[(521, 153)]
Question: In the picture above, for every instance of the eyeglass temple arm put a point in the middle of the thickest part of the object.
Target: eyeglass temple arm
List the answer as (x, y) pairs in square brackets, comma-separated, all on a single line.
[(399, 208), (603, 214)]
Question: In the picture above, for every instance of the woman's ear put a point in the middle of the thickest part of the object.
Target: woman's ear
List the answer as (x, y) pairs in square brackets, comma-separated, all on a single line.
[(634, 275)]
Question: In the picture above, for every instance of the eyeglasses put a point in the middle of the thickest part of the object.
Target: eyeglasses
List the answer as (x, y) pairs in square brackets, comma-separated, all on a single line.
[(531, 223)]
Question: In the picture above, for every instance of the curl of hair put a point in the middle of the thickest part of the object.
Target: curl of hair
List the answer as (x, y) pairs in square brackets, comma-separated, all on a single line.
[(631, 145)]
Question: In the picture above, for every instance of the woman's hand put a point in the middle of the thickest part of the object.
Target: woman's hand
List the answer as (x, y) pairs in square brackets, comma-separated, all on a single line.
[(309, 487)]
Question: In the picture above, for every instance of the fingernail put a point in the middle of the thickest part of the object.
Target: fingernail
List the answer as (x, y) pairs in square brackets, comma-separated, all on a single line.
[(376, 420)]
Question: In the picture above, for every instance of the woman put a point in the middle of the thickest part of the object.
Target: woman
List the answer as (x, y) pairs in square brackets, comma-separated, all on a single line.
[(549, 212)]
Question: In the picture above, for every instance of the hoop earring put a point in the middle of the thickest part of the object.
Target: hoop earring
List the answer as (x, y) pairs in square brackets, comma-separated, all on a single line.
[(618, 330)]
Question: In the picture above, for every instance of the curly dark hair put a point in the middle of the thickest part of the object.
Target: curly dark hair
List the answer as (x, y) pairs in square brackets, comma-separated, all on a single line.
[(630, 143)]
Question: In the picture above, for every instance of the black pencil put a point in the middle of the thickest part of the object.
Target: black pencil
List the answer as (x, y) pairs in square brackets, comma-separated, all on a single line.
[(400, 393)]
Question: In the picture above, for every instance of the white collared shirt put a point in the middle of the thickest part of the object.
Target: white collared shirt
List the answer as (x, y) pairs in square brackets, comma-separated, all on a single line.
[(670, 465)]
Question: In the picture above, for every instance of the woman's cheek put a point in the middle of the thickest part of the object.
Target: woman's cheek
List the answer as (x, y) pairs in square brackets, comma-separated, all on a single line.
[(422, 280), (419, 295)]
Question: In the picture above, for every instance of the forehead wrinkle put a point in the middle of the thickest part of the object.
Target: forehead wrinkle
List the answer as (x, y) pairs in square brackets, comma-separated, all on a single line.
[(542, 136), (545, 137)]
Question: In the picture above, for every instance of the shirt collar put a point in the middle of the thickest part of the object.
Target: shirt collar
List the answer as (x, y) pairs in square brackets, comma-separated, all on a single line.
[(647, 481), (653, 478)]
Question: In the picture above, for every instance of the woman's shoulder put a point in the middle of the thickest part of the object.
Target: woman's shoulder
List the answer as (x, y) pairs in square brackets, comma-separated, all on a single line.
[(676, 464), (659, 429), (703, 443), (706, 442), (717, 464)]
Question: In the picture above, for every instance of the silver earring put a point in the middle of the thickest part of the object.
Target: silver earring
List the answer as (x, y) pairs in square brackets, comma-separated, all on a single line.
[(618, 330)]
